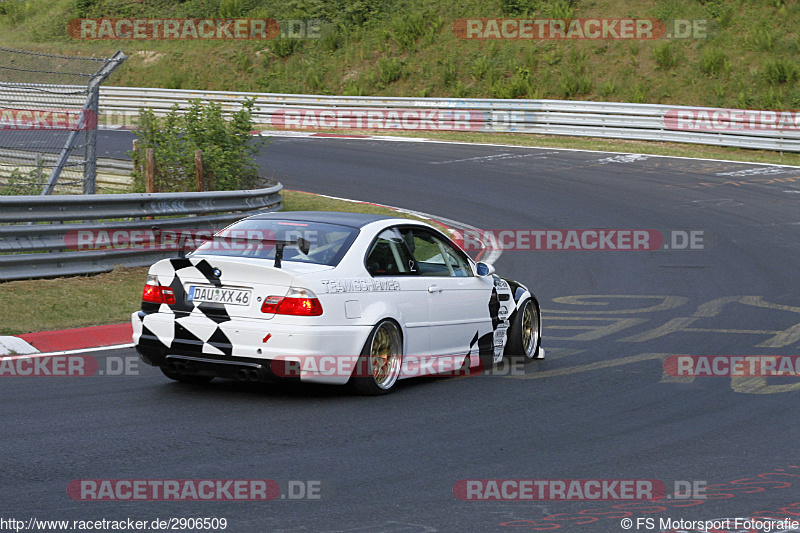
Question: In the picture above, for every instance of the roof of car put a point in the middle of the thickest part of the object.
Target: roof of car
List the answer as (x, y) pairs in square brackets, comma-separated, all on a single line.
[(355, 220)]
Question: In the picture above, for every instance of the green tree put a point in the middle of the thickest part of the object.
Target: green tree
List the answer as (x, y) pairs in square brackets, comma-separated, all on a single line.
[(227, 146)]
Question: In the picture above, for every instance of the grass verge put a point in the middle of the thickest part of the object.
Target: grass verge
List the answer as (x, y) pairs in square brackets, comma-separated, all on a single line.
[(742, 55), (79, 301)]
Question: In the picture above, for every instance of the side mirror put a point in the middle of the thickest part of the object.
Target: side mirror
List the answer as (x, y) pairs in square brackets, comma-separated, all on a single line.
[(484, 269)]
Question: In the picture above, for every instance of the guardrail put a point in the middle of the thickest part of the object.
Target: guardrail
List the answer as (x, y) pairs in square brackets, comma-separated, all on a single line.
[(34, 230), (768, 130), (113, 175)]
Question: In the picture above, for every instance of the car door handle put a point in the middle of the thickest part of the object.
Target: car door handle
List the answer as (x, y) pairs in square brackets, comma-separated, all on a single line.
[(434, 288)]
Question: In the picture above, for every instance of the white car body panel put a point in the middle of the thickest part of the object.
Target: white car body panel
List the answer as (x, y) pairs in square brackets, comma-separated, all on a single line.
[(440, 317)]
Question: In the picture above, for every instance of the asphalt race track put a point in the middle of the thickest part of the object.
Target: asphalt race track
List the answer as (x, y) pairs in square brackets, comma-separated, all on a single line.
[(600, 407)]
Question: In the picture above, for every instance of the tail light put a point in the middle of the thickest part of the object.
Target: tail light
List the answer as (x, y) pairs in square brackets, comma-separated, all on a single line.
[(298, 302), (157, 294)]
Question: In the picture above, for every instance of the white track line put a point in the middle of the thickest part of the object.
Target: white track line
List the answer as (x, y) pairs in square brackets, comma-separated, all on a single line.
[(69, 352)]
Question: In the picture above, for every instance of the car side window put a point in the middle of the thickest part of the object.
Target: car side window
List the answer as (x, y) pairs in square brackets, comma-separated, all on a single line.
[(434, 255), (389, 256)]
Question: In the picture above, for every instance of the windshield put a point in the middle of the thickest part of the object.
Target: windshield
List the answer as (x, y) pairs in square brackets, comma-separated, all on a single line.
[(256, 238)]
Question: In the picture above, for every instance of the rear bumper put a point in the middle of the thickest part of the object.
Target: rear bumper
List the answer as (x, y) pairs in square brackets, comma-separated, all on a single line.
[(315, 354), (238, 370)]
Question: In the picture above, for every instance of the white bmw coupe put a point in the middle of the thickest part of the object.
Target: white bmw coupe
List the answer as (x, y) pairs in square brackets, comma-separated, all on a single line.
[(338, 298)]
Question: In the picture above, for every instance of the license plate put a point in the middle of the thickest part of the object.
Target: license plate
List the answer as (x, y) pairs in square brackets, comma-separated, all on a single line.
[(219, 296)]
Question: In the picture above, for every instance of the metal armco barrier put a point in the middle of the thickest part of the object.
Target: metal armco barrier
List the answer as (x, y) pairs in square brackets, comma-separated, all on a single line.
[(33, 228), (769, 130), (112, 175)]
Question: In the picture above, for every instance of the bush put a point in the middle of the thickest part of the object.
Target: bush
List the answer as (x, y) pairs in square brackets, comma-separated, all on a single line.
[(744, 100), (284, 47), (772, 99), (638, 93), (354, 12), (764, 38), (390, 70), (714, 62), (573, 85), (665, 56), (226, 145), (519, 7), (407, 29), (410, 26), (231, 8), (561, 9), (331, 38), (515, 87), (481, 65), (781, 71), (449, 73), (23, 183)]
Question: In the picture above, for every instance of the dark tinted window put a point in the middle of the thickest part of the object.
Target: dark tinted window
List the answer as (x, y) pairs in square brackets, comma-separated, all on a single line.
[(389, 256), (435, 255), (255, 238)]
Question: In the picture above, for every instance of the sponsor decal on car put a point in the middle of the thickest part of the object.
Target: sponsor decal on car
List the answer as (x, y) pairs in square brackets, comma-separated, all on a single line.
[(361, 285)]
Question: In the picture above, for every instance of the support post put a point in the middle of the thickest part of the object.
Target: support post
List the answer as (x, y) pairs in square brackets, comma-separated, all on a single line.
[(150, 170), (198, 167)]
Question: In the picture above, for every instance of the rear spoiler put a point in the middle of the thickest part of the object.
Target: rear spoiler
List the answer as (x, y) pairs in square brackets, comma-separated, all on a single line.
[(302, 244)]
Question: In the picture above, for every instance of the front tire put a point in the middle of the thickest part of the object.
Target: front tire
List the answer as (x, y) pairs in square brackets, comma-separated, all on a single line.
[(378, 367), (524, 334)]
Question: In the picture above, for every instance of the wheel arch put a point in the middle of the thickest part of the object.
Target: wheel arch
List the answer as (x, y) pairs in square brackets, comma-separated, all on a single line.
[(374, 313)]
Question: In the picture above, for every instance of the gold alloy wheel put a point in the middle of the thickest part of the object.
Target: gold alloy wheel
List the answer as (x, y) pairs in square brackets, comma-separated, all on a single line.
[(530, 330), (385, 355)]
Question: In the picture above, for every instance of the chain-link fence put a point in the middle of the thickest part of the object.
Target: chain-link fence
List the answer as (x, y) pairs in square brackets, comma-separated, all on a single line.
[(48, 121)]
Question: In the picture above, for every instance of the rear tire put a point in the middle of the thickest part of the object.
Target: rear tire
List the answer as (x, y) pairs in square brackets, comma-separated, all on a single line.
[(524, 334), (378, 367), (185, 378)]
